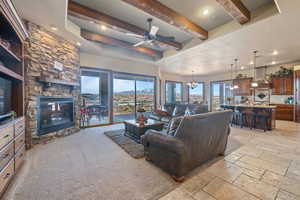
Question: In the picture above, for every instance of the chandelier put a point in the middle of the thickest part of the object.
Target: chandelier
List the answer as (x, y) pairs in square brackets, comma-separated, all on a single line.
[(236, 70), (193, 84), (254, 82), (231, 72)]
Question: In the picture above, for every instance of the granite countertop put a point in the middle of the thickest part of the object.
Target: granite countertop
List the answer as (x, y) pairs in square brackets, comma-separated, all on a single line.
[(251, 106)]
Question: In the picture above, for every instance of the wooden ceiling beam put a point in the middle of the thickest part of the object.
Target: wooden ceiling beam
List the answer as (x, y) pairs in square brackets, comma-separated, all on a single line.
[(157, 9), (236, 9), (95, 37), (85, 13)]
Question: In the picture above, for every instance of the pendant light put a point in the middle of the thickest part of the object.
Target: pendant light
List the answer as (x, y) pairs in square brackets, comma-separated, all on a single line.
[(254, 82), (231, 71), (193, 84), (236, 86)]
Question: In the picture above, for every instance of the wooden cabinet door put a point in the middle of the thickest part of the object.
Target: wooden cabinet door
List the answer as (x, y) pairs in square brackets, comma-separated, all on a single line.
[(297, 96), (276, 84), (288, 85), (244, 87)]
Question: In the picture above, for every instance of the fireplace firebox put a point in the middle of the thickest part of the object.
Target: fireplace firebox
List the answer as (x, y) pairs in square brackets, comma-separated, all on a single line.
[(55, 114)]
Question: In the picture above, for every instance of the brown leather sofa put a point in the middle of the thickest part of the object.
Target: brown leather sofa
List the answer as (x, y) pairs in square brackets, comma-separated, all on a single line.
[(197, 139), (170, 111)]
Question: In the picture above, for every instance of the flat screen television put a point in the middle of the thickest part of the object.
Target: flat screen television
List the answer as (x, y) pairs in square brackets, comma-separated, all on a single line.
[(5, 96)]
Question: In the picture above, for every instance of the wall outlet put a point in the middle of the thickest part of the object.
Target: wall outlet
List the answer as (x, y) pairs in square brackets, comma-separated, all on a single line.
[(58, 66)]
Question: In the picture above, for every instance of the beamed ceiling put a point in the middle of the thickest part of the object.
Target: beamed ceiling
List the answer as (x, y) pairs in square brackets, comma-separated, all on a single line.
[(109, 22), (235, 28)]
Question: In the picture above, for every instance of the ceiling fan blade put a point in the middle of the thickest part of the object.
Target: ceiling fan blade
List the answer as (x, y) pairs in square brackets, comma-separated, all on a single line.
[(153, 30), (139, 43), (135, 35), (162, 38)]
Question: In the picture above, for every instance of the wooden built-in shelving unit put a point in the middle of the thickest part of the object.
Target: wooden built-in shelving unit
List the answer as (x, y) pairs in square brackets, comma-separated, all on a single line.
[(12, 132)]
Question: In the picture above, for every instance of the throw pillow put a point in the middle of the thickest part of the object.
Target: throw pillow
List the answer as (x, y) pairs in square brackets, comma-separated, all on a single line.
[(173, 125)]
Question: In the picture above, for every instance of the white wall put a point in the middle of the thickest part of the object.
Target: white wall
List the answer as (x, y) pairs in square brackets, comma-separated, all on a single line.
[(118, 64)]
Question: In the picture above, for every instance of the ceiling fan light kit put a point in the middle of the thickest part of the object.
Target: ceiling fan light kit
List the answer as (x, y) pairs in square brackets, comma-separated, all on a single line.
[(150, 36)]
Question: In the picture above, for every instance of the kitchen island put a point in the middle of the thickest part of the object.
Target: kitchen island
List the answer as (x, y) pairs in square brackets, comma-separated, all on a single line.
[(248, 111)]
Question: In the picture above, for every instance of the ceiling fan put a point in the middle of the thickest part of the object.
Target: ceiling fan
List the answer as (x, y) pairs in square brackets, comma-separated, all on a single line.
[(150, 36)]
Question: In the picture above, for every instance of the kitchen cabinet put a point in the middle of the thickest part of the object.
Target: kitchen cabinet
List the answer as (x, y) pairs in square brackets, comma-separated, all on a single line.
[(297, 96), (283, 85), (244, 87), (284, 112)]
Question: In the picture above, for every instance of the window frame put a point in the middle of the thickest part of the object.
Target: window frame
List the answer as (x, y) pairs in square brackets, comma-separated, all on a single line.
[(168, 81)]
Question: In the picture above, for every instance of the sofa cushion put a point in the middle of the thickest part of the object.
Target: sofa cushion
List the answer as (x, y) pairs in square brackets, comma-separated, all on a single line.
[(173, 125), (169, 108), (198, 108), (179, 110)]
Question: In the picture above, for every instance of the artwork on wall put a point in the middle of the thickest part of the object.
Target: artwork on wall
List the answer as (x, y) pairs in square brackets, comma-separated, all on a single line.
[(262, 95)]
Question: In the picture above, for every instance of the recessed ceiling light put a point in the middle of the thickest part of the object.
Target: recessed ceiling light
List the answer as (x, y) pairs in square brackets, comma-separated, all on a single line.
[(78, 44), (103, 27), (92, 22), (273, 63), (54, 28), (242, 67), (275, 52), (205, 12), (251, 63)]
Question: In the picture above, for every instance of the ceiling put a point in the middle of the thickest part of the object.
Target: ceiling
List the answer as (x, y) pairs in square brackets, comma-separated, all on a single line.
[(193, 9), (277, 33)]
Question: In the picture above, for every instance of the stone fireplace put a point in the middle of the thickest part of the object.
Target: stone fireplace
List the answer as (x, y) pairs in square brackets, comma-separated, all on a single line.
[(55, 114), (51, 102)]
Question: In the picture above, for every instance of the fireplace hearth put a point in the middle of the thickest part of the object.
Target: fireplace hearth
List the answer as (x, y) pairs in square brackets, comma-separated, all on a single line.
[(55, 114)]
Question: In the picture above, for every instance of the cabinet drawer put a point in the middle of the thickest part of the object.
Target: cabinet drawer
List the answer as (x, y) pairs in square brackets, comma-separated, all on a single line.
[(6, 135), (6, 175), (19, 141), (6, 154), (19, 126), (19, 157)]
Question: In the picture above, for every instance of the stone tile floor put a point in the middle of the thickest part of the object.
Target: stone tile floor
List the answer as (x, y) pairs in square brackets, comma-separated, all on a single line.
[(265, 166), (258, 165)]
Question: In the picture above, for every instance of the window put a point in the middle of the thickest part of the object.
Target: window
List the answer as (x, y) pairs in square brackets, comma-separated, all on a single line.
[(220, 93), (196, 95), (173, 92)]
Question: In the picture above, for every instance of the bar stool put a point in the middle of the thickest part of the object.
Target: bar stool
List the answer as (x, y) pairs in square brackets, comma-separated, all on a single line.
[(247, 119), (235, 117), (262, 119)]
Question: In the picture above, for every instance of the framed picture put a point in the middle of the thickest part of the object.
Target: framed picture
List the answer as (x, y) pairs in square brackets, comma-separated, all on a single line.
[(262, 95)]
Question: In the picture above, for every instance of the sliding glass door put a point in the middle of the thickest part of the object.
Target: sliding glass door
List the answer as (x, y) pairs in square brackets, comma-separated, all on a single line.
[(95, 95), (109, 97), (123, 98), (131, 92), (145, 94)]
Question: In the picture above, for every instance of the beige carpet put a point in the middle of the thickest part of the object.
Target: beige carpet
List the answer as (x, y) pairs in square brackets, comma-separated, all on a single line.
[(133, 148), (87, 166)]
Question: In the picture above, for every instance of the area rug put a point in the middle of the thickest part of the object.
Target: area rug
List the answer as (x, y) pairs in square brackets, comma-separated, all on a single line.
[(134, 149)]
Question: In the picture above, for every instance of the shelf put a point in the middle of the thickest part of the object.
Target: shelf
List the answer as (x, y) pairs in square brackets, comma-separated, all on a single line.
[(8, 55), (10, 73), (50, 81)]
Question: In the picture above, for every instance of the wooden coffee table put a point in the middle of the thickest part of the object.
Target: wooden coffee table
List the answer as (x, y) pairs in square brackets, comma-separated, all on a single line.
[(134, 130)]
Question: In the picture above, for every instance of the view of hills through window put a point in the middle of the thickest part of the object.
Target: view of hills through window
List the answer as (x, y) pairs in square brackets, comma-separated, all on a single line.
[(129, 94)]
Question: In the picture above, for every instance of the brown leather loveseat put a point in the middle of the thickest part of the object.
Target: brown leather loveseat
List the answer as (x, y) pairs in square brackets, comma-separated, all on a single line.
[(197, 139)]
